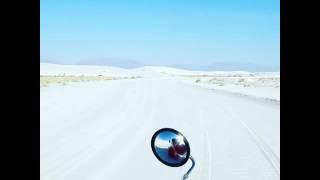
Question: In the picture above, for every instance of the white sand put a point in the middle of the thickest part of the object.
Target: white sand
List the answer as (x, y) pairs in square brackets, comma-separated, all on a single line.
[(102, 130)]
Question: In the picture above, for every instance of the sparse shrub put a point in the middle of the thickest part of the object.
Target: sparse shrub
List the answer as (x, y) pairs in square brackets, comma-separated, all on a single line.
[(241, 80), (64, 79)]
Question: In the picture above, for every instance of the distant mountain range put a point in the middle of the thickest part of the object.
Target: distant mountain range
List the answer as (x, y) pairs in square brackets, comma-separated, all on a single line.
[(116, 62), (217, 66), (230, 66)]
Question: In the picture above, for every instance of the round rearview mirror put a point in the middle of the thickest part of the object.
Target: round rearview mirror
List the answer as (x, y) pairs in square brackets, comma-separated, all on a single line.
[(170, 147)]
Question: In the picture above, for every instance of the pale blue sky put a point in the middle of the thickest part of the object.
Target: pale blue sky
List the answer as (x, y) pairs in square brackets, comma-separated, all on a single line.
[(161, 32)]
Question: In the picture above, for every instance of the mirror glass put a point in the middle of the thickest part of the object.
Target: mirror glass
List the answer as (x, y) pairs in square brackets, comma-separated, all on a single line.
[(170, 147)]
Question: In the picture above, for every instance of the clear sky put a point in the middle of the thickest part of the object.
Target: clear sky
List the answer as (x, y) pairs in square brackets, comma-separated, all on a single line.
[(161, 32)]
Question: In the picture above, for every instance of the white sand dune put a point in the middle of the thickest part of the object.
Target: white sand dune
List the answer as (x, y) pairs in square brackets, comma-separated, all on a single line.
[(180, 72), (260, 86), (58, 69), (265, 85), (102, 130)]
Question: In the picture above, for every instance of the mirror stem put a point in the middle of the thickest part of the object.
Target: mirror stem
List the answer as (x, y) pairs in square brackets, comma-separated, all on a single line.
[(185, 176)]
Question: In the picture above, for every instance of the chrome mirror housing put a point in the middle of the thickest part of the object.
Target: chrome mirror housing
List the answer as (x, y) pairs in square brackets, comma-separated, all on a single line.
[(171, 148)]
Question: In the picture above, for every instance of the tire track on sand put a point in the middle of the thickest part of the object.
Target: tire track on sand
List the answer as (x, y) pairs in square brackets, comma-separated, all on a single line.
[(267, 152)]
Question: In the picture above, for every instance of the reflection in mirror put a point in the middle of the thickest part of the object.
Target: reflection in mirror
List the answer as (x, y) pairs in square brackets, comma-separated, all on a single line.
[(170, 147)]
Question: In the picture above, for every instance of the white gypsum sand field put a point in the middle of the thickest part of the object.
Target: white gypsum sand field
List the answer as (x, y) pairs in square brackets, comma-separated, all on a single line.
[(265, 85), (47, 80), (258, 85), (64, 74), (102, 129)]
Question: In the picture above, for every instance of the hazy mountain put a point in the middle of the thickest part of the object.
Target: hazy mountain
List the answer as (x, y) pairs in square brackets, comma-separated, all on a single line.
[(218, 66), (230, 66), (115, 62)]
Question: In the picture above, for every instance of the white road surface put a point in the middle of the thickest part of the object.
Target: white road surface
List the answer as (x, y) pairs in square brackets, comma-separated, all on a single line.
[(102, 131)]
